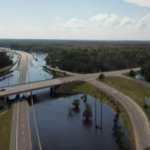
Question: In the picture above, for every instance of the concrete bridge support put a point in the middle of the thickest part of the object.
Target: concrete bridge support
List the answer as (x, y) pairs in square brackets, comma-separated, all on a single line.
[(52, 89)]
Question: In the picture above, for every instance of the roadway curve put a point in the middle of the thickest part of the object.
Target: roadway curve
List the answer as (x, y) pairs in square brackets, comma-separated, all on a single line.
[(137, 116)]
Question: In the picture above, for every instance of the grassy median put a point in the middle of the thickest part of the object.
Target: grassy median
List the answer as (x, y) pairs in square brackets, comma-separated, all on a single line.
[(5, 129), (87, 88), (131, 88)]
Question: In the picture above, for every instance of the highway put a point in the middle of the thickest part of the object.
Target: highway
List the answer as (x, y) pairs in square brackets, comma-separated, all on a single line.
[(23, 67), (20, 130), (138, 118)]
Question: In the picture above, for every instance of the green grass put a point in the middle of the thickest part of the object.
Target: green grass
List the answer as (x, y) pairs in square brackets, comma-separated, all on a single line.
[(87, 88), (133, 89), (5, 129), (19, 59), (3, 107)]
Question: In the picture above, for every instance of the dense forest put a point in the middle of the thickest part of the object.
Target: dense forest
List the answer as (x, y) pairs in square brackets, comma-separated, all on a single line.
[(89, 60), (5, 60), (87, 56)]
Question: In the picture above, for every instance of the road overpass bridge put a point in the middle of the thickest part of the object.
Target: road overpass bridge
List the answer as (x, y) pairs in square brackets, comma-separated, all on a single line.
[(27, 87)]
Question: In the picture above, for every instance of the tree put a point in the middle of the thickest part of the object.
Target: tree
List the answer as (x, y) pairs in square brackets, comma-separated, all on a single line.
[(5, 60), (76, 103), (84, 97), (87, 113), (101, 76), (132, 73), (145, 70)]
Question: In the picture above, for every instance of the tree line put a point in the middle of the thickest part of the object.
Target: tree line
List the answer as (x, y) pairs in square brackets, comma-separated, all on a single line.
[(87, 56), (90, 60), (5, 60)]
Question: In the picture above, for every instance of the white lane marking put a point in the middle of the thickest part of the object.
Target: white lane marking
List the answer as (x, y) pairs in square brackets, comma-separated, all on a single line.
[(23, 140), (17, 127), (23, 125), (23, 132)]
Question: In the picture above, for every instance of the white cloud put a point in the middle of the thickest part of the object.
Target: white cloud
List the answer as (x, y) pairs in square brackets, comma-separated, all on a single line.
[(107, 21), (143, 3), (108, 27), (126, 21), (74, 23), (99, 18), (144, 23), (113, 20)]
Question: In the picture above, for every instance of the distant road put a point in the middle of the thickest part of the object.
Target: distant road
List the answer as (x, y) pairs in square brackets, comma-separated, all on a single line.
[(23, 67)]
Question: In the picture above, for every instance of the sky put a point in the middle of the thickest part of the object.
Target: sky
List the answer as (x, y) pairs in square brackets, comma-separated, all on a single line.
[(75, 19)]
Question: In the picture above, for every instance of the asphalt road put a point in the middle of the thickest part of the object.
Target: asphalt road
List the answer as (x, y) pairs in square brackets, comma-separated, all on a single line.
[(139, 122), (16, 89), (138, 118), (20, 130), (23, 67)]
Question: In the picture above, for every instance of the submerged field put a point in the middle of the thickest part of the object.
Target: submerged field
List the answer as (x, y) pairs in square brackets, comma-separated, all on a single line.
[(87, 88)]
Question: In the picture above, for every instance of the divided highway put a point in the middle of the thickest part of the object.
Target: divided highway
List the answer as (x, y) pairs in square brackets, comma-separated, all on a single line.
[(20, 130)]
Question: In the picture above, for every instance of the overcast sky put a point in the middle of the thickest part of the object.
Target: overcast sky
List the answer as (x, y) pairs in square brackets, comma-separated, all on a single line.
[(75, 19)]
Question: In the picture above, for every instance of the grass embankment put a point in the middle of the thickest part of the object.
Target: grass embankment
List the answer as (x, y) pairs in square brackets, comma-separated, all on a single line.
[(54, 73), (7, 68), (3, 107), (87, 88), (19, 59), (5, 129), (133, 89)]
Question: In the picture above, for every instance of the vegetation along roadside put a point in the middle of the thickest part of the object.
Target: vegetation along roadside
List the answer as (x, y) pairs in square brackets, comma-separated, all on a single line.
[(87, 88)]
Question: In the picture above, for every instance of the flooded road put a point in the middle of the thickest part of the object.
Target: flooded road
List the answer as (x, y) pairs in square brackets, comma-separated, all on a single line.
[(58, 129)]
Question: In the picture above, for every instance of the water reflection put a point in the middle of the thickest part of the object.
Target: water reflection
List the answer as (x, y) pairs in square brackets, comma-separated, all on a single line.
[(60, 130), (35, 73)]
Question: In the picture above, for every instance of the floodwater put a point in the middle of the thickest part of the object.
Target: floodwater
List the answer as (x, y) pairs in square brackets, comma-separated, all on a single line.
[(60, 130), (57, 129)]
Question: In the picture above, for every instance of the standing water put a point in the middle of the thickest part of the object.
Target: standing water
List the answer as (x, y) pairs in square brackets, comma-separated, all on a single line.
[(58, 129)]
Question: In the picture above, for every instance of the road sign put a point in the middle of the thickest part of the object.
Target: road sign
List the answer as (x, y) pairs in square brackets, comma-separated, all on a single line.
[(127, 133)]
